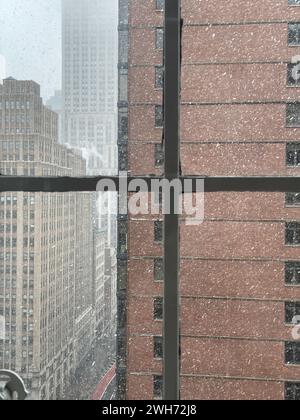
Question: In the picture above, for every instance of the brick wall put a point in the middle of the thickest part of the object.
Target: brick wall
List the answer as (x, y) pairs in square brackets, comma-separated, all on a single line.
[(234, 95)]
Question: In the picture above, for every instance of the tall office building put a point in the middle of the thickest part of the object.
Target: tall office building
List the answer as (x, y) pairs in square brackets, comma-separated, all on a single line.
[(55, 103), (46, 253), (2, 68), (240, 268), (90, 77)]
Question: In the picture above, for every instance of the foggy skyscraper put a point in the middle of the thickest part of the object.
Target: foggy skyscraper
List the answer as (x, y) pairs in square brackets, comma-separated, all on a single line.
[(90, 81)]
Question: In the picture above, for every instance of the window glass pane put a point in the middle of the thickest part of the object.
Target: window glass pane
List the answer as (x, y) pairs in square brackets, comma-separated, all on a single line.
[(58, 251), (58, 295)]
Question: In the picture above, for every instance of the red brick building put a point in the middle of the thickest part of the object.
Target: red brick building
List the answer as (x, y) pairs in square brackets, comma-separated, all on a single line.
[(240, 269)]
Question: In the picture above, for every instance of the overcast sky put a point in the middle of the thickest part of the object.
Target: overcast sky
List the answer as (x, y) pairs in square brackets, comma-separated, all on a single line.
[(30, 41)]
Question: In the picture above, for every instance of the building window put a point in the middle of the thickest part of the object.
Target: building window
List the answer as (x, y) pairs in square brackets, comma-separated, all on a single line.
[(158, 269), (294, 33), (292, 310), (293, 74), (158, 347), (292, 233), (157, 386), (292, 273), (159, 77), (293, 154), (159, 116), (160, 4), (158, 309), (159, 156), (292, 199), (293, 114), (159, 38), (292, 353), (158, 231), (292, 391)]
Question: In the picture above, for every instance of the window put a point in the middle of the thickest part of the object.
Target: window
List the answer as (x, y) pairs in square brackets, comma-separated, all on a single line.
[(292, 235), (158, 309), (294, 34), (292, 199), (158, 347), (292, 273), (159, 77), (159, 156), (160, 4), (292, 353), (293, 114), (157, 386), (293, 74), (158, 231), (293, 154), (158, 269), (159, 35), (292, 391), (159, 116), (292, 310)]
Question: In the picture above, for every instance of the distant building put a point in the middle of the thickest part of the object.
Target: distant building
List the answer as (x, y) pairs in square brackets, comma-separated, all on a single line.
[(90, 81), (2, 68), (46, 249), (55, 103)]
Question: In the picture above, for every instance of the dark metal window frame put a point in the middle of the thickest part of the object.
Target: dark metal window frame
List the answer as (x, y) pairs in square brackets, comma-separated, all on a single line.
[(172, 62)]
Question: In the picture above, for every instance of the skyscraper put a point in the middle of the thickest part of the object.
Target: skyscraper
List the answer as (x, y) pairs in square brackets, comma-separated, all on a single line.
[(89, 83), (46, 254)]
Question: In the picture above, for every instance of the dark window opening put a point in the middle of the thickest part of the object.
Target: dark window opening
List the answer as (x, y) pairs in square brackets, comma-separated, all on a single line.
[(158, 269), (157, 386), (292, 273), (292, 391), (293, 154), (159, 116), (293, 74), (158, 347), (292, 310), (294, 33), (292, 199), (292, 233), (292, 353), (158, 231), (159, 77), (158, 309), (293, 114), (159, 156)]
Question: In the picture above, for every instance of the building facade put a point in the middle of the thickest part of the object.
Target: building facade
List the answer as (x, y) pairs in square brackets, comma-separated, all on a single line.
[(2, 68), (46, 261), (240, 268)]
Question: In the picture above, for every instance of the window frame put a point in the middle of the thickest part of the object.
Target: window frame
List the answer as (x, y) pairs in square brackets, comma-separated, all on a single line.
[(286, 184)]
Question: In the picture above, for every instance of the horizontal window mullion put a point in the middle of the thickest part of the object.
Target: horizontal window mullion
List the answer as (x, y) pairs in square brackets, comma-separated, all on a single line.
[(211, 184)]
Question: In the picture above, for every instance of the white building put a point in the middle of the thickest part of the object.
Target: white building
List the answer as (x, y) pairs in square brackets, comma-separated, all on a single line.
[(90, 81), (2, 68)]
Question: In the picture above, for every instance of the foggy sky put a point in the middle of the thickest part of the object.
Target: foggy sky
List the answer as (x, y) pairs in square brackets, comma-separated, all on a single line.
[(30, 40)]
